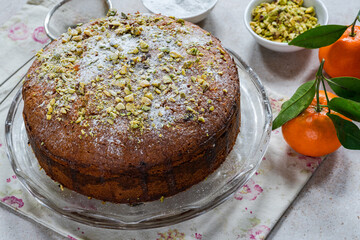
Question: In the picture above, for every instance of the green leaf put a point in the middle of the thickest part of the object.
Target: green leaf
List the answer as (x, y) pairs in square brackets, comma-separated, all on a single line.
[(319, 37), (347, 132), (358, 16), (296, 104), (346, 107), (347, 87)]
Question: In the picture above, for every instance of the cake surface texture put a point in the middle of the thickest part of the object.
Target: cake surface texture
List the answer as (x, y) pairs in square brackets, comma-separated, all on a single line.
[(132, 107)]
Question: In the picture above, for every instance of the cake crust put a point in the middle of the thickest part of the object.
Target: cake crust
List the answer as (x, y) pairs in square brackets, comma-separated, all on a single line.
[(131, 108)]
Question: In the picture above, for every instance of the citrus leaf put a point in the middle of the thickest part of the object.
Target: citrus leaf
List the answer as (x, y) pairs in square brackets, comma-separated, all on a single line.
[(347, 87), (346, 107), (358, 16), (347, 132), (296, 104), (319, 37)]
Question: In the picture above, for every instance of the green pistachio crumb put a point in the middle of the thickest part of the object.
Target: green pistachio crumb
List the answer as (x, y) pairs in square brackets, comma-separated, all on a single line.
[(120, 106), (144, 47), (193, 51), (129, 98), (167, 79), (221, 50), (144, 83), (175, 54), (149, 95), (146, 101), (201, 119), (134, 51)]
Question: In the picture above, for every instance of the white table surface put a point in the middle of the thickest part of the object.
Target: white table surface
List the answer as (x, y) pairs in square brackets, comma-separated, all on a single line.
[(329, 205)]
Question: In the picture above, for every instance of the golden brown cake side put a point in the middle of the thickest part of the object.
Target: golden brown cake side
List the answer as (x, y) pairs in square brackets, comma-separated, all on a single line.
[(132, 108)]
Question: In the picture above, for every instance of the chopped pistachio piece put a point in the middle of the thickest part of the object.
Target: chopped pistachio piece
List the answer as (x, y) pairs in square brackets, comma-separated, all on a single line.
[(77, 38), (63, 110), (188, 64), (107, 93), (113, 56), (167, 79), (144, 47), (149, 95), (123, 70), (130, 107), (175, 55), (201, 119), (79, 119), (129, 98), (127, 91), (120, 106), (146, 101), (134, 51), (145, 108), (160, 55), (144, 83), (221, 50), (109, 109), (52, 102), (134, 124), (156, 83), (193, 51), (190, 109)]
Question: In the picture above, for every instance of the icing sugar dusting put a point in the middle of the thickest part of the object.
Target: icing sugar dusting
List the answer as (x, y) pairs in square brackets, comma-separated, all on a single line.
[(179, 8), (131, 71)]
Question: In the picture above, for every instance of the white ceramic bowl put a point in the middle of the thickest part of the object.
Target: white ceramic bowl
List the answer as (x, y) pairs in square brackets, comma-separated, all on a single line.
[(195, 18), (321, 14)]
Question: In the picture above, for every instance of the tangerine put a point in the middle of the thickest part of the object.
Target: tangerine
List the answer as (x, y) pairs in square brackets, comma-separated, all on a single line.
[(342, 57), (313, 133)]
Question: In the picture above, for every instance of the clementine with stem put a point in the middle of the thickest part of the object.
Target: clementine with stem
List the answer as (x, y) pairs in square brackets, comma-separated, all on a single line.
[(342, 57), (312, 133)]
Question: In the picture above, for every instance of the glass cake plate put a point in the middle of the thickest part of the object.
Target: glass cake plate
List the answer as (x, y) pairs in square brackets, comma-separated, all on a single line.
[(239, 166)]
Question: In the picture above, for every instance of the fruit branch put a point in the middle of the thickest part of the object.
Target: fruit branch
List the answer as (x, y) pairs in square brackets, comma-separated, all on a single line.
[(352, 34), (319, 78)]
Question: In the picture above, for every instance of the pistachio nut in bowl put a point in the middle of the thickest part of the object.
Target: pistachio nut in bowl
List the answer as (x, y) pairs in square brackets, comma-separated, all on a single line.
[(275, 23)]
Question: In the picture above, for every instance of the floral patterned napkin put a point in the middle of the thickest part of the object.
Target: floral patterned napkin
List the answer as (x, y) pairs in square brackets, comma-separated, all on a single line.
[(250, 214)]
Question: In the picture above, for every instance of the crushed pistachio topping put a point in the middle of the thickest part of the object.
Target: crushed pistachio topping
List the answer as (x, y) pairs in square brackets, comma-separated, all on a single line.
[(282, 20), (127, 68)]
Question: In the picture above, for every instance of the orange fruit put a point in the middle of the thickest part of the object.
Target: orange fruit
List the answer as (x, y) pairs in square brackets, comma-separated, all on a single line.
[(342, 57), (313, 133)]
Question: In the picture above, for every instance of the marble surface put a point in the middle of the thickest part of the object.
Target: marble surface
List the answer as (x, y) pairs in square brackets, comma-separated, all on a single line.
[(328, 206)]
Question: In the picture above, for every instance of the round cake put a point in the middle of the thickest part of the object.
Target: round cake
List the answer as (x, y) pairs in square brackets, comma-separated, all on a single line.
[(132, 107)]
